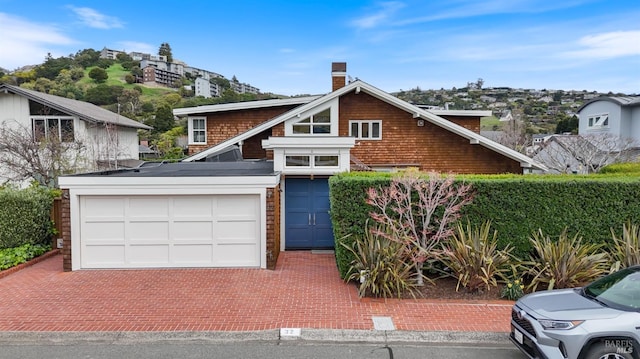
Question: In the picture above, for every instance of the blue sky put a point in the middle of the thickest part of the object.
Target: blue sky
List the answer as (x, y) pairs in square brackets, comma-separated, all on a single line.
[(287, 47)]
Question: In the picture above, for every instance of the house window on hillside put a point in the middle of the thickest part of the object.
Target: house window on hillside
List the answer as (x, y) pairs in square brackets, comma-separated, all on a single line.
[(319, 123), (598, 121), (365, 130), (60, 129), (198, 130)]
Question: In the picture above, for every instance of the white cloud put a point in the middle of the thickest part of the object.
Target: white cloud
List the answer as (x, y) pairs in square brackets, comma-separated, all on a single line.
[(29, 42), (93, 18), (379, 17), (607, 45)]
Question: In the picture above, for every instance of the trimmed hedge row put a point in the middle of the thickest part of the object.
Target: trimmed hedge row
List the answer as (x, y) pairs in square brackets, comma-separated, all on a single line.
[(25, 216), (516, 205)]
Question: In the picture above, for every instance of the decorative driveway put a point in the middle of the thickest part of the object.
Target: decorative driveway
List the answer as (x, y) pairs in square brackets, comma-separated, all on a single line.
[(304, 291)]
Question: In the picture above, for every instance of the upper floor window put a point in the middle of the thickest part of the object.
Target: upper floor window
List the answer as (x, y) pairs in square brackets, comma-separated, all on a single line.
[(312, 161), (598, 121), (59, 129), (366, 130), (319, 123), (198, 130)]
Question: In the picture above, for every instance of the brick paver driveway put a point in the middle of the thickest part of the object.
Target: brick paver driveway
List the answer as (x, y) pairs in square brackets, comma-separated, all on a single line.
[(304, 291)]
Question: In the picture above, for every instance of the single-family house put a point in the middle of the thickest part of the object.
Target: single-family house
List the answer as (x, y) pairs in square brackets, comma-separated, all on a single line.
[(255, 181), (108, 138), (618, 116)]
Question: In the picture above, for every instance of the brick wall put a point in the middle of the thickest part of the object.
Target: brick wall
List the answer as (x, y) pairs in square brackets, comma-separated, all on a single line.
[(273, 226), (404, 143), (66, 230)]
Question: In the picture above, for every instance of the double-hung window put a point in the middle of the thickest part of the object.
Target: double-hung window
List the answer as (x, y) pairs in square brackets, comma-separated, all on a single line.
[(198, 130), (365, 129)]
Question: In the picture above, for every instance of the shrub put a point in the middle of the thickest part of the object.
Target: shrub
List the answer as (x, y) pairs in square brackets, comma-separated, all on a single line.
[(565, 263), (472, 256), (25, 216), (380, 266), (11, 257), (625, 249)]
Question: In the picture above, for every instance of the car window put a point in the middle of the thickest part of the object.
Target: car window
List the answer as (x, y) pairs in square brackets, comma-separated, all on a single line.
[(620, 290)]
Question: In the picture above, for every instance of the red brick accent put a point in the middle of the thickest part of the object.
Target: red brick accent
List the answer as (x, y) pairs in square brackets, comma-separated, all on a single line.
[(66, 231), (430, 147), (273, 226)]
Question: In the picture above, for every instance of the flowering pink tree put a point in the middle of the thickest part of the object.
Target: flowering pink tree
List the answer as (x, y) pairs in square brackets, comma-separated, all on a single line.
[(418, 212)]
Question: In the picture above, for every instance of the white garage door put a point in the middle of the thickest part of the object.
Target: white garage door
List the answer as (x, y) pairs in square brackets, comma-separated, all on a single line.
[(170, 231)]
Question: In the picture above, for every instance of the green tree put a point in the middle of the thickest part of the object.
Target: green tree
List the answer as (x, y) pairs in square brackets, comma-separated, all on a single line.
[(98, 74), (87, 58), (103, 94), (165, 50), (51, 67), (163, 120)]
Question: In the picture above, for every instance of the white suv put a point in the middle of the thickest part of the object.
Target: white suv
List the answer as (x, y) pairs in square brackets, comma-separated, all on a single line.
[(598, 321)]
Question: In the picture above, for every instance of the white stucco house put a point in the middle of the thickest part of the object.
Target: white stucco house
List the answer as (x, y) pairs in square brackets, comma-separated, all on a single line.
[(615, 115), (110, 140)]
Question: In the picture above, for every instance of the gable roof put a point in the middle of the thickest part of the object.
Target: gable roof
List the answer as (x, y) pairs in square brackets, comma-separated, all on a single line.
[(244, 105), (623, 101), (361, 86), (84, 110)]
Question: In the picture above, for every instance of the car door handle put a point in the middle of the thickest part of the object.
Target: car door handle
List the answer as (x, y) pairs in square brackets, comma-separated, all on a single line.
[(314, 219), (309, 219)]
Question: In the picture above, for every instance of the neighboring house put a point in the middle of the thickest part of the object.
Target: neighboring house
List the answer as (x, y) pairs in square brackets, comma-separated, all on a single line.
[(566, 154), (611, 115), (273, 193), (110, 139)]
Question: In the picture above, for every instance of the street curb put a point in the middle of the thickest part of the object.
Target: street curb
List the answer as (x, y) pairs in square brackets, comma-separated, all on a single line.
[(311, 335)]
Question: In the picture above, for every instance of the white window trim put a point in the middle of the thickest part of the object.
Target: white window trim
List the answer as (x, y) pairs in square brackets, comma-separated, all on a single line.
[(312, 160), (191, 130), (597, 125), (333, 110), (370, 122)]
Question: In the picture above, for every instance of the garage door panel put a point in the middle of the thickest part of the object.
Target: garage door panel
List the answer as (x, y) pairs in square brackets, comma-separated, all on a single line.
[(148, 254), (148, 207), (149, 231), (236, 232), (170, 231), (237, 255), (192, 230), (106, 207), (192, 254), (104, 256), (96, 231), (190, 207)]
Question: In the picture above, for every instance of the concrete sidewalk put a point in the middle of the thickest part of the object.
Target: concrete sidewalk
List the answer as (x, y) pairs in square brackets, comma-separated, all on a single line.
[(304, 293)]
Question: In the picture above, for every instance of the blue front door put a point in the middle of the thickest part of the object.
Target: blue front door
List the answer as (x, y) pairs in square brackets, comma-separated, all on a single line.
[(307, 221)]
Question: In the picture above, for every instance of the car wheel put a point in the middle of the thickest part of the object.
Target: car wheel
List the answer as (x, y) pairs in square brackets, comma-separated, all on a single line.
[(603, 351)]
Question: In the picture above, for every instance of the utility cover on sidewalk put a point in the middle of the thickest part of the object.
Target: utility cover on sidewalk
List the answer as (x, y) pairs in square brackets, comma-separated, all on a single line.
[(383, 323)]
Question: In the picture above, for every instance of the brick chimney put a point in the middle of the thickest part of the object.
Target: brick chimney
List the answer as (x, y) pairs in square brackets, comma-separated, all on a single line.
[(338, 75)]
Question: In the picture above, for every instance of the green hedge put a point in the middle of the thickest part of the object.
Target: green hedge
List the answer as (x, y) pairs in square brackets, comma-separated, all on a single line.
[(25, 216), (517, 206)]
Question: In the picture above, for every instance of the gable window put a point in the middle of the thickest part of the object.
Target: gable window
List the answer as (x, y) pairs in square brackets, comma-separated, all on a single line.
[(47, 128), (598, 121), (198, 130), (366, 130), (319, 123)]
